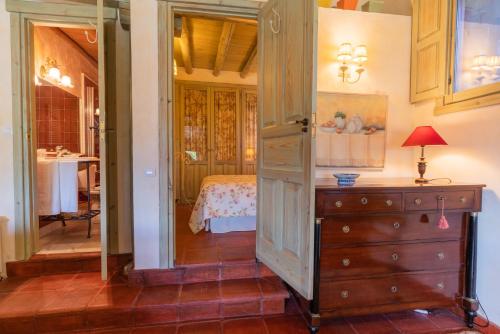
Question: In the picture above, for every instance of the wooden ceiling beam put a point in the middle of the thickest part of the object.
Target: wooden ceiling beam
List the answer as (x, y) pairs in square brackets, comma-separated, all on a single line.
[(186, 43), (224, 43), (248, 62)]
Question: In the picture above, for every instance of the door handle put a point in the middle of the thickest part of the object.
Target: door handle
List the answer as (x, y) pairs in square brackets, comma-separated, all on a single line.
[(304, 123)]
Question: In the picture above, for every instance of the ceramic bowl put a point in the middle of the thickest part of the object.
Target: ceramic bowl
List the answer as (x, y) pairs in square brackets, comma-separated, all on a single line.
[(346, 180)]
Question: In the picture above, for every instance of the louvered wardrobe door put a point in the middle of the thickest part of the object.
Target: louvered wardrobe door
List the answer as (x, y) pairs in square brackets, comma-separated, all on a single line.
[(225, 146)]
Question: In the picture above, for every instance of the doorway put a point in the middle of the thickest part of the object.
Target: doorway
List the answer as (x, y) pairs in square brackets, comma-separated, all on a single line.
[(66, 110), (215, 122), (98, 133)]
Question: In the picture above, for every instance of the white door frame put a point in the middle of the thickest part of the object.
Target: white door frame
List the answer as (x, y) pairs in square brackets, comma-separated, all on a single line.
[(24, 15), (166, 11)]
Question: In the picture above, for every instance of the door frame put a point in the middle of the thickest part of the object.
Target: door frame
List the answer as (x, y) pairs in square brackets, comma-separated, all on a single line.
[(166, 10), (24, 15)]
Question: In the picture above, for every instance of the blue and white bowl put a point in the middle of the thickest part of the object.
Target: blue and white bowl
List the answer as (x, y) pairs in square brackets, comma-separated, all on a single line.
[(346, 180)]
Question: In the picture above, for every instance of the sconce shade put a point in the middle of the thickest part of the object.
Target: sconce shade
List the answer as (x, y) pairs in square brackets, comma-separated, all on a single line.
[(423, 136), (360, 54), (345, 52)]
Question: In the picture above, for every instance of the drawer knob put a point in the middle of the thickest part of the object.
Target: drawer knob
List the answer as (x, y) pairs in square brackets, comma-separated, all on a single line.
[(397, 225), (338, 204), (440, 285), (418, 201), (395, 256), (463, 199), (346, 229), (344, 294), (346, 262), (364, 200), (388, 202), (440, 256), (394, 289)]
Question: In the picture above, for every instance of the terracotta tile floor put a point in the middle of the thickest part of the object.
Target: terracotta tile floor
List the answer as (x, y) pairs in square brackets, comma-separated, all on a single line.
[(210, 248)]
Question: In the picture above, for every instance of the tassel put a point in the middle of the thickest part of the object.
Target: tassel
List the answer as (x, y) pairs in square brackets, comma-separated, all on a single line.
[(443, 222)]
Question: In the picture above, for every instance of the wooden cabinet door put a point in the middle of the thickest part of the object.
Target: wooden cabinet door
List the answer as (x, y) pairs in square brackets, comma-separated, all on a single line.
[(249, 132), (195, 142), (429, 49), (287, 92), (225, 143)]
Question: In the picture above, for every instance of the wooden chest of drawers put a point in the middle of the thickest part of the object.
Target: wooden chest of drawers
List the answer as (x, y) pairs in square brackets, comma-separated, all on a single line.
[(379, 248)]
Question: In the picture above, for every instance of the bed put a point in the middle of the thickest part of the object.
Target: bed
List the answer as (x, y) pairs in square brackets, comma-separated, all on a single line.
[(226, 203)]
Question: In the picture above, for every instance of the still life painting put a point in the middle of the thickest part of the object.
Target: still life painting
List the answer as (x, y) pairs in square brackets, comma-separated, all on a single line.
[(351, 130)]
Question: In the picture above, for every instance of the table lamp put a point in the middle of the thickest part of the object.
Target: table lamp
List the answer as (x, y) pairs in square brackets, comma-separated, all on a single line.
[(423, 136)]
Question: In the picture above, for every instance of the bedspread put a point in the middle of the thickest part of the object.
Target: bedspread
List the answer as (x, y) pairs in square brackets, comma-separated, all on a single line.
[(224, 196)]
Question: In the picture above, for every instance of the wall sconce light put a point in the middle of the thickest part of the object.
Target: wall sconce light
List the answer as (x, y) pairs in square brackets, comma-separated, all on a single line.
[(352, 61), (50, 70), (175, 68)]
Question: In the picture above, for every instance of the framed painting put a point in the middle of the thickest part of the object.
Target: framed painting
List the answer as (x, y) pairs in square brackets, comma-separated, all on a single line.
[(351, 130)]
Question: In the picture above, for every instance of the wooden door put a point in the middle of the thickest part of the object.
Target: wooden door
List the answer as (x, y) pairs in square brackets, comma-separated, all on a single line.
[(195, 134), (102, 138), (225, 147), (287, 92)]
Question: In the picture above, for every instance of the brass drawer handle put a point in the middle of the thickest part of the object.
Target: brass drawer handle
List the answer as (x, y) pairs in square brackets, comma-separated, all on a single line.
[(418, 201), (463, 200), (388, 202), (338, 204), (394, 289), (440, 285), (346, 229), (346, 262), (364, 200), (395, 256), (397, 225), (440, 256), (344, 294)]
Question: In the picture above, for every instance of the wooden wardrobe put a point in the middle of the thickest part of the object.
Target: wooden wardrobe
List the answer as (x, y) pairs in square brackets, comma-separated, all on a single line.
[(215, 133)]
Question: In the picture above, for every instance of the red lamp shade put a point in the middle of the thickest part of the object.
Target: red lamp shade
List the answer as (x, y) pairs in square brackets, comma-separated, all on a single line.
[(423, 136)]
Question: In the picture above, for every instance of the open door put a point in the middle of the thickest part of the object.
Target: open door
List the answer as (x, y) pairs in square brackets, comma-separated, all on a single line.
[(102, 137), (285, 173)]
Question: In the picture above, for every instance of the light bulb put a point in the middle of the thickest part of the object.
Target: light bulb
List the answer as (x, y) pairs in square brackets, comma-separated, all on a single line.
[(54, 73), (66, 81)]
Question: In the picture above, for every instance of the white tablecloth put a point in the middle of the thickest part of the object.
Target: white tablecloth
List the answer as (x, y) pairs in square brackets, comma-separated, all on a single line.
[(57, 186)]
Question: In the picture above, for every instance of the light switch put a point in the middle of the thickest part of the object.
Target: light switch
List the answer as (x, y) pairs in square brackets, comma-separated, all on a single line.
[(150, 172)]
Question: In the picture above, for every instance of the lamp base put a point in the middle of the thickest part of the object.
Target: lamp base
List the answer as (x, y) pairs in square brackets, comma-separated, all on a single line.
[(421, 180)]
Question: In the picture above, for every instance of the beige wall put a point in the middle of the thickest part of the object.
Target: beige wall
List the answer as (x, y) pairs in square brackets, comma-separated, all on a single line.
[(387, 73), (145, 147), (473, 155), (72, 61), (7, 205)]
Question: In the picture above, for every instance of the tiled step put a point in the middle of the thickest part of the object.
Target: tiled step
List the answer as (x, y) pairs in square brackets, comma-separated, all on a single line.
[(200, 273), (50, 304), (50, 264)]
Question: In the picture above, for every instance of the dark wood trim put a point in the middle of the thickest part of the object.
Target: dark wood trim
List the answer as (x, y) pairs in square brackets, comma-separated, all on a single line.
[(470, 298)]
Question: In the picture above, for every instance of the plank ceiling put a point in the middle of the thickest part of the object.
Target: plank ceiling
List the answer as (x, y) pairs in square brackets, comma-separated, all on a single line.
[(79, 38), (206, 36)]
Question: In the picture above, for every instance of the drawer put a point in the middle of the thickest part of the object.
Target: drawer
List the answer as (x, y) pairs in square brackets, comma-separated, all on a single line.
[(453, 200), (335, 203), (386, 259), (367, 229), (432, 287)]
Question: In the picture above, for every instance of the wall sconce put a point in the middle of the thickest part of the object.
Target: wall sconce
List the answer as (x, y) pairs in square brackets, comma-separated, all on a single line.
[(50, 70), (352, 61), (175, 68)]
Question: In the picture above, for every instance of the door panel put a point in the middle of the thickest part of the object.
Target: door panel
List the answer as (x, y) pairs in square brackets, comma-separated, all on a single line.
[(285, 166)]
